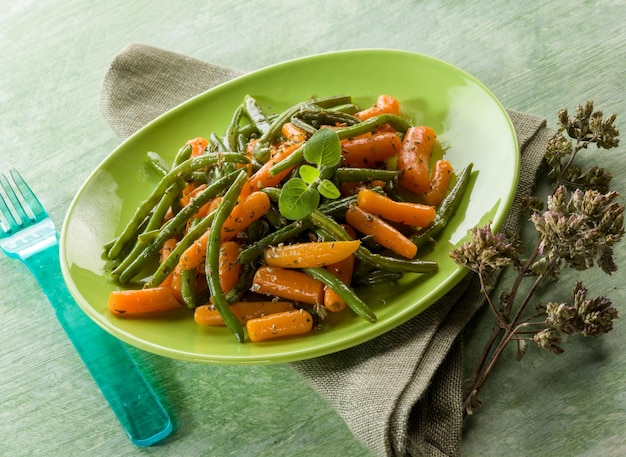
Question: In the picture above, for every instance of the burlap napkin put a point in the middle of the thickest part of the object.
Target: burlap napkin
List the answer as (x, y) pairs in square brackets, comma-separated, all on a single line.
[(399, 393)]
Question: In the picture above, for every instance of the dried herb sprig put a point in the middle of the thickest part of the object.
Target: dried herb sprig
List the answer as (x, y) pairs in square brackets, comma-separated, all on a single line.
[(585, 128), (577, 227)]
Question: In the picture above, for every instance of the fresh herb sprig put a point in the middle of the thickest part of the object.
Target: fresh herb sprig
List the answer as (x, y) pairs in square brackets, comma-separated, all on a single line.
[(301, 195), (577, 227)]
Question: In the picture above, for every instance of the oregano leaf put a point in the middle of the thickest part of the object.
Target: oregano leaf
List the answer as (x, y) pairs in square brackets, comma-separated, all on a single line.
[(323, 148), (327, 189), (309, 174), (297, 199)]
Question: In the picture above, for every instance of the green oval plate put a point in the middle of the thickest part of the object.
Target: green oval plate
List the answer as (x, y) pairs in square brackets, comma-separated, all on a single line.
[(472, 126)]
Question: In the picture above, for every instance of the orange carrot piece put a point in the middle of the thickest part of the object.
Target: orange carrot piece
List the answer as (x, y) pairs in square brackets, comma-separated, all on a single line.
[(288, 284), (230, 269), (439, 183), (246, 211), (262, 178), (309, 254), (166, 250), (197, 146), (195, 254), (127, 303), (381, 231), (349, 188), (293, 133), (176, 284), (288, 323), (414, 157), (384, 104), (190, 191), (244, 311), (343, 270), (370, 150), (413, 214)]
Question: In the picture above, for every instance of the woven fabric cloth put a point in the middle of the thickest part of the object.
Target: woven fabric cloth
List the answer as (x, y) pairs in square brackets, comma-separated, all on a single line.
[(401, 392)]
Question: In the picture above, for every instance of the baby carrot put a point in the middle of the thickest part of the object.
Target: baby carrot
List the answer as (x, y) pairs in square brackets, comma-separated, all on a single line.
[(230, 269), (370, 150), (288, 284), (263, 178), (165, 252), (413, 214), (293, 133), (288, 323), (382, 232), (439, 183), (176, 284), (244, 311), (195, 254), (343, 269), (197, 146), (242, 215), (385, 104), (246, 211), (309, 254), (414, 157), (135, 302)]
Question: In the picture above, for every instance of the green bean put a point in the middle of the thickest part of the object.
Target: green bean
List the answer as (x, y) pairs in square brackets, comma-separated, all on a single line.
[(334, 207), (257, 230), (213, 253), (158, 163), (446, 209), (262, 149), (376, 277), (254, 250), (320, 116), (140, 245), (379, 261), (344, 291), (166, 267), (364, 174), (166, 202), (242, 141), (243, 284), (188, 287), (275, 219), (248, 130), (272, 192), (348, 108), (183, 154), (255, 113), (176, 173), (292, 160), (152, 225), (230, 136), (371, 124), (308, 128), (171, 226), (217, 143), (332, 100)]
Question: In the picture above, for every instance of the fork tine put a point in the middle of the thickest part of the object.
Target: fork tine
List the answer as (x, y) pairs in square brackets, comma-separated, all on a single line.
[(29, 196), (11, 224), (15, 203)]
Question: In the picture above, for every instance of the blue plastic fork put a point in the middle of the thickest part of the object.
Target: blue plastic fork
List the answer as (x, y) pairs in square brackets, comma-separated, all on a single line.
[(29, 234)]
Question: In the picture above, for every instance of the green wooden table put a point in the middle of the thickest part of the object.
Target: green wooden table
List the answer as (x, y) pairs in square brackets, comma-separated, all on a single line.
[(535, 56)]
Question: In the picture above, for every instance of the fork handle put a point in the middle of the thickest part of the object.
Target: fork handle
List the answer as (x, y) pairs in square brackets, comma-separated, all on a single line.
[(131, 398)]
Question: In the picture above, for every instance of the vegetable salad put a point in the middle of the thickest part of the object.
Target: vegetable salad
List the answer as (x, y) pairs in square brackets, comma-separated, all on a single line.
[(277, 222)]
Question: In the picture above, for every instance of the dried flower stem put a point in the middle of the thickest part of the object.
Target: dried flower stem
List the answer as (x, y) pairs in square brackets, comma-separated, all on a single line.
[(577, 230)]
